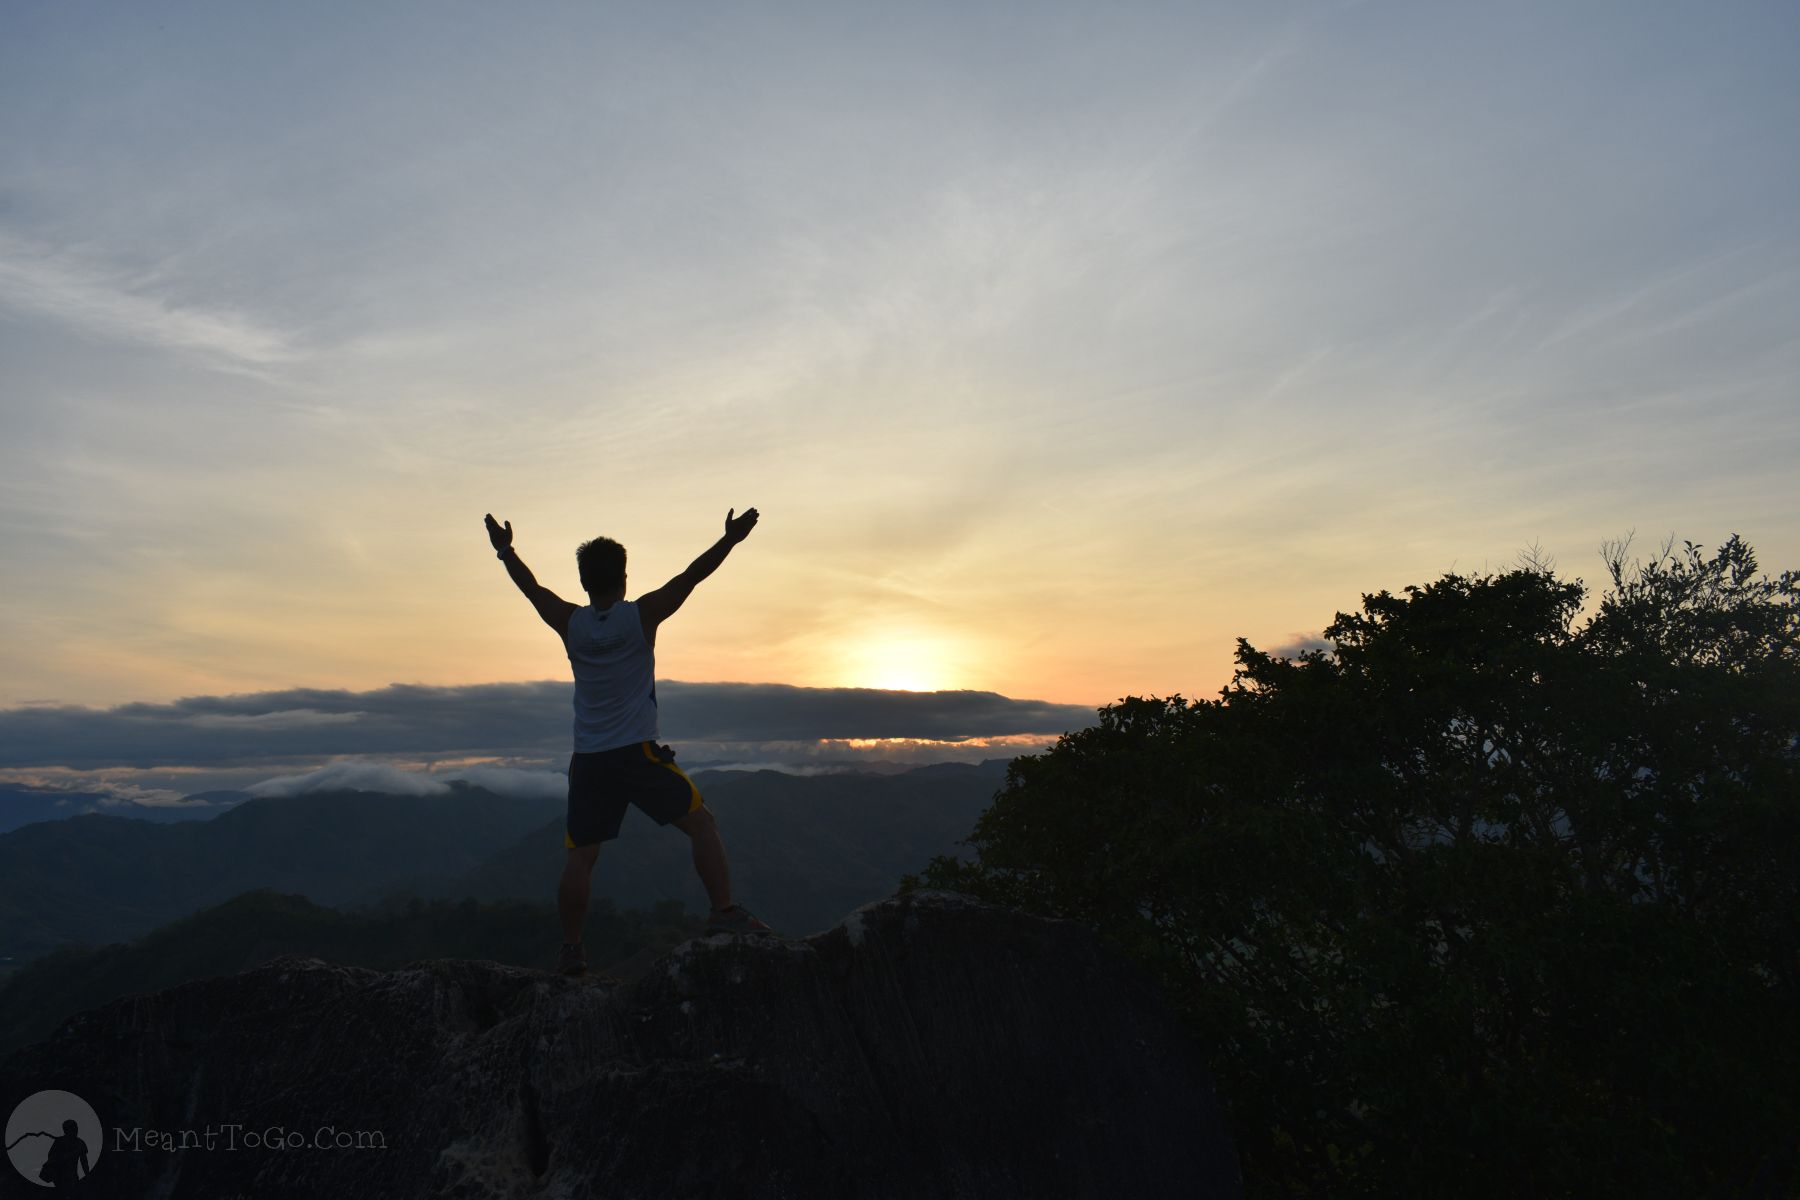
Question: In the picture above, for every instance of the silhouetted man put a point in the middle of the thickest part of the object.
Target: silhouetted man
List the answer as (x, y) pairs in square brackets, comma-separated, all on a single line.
[(617, 761), (67, 1153)]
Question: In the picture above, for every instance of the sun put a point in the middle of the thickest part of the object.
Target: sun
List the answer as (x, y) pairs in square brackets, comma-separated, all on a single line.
[(901, 677), (899, 661)]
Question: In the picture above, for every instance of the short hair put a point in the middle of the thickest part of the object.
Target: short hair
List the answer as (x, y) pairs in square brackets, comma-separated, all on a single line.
[(602, 565)]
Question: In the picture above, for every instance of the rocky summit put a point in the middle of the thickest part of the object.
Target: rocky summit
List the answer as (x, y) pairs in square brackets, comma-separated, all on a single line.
[(927, 1046)]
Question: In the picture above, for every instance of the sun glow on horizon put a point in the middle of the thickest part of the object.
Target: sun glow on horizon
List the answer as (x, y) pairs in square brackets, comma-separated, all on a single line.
[(901, 661)]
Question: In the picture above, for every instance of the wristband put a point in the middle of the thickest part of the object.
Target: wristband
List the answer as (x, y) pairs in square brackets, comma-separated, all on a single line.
[(502, 555)]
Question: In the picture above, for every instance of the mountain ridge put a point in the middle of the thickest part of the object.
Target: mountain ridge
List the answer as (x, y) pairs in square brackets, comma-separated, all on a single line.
[(807, 848), (96, 879)]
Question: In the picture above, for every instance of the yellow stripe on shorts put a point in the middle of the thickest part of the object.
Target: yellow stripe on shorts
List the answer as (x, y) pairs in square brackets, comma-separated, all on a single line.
[(693, 791)]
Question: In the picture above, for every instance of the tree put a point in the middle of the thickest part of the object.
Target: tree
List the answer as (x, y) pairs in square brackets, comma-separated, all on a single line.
[(1486, 899)]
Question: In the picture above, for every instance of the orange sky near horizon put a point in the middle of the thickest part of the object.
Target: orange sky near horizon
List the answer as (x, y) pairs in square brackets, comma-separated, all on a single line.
[(1058, 349)]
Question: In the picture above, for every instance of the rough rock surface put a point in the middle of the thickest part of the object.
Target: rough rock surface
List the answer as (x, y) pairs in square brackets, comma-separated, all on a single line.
[(928, 1046)]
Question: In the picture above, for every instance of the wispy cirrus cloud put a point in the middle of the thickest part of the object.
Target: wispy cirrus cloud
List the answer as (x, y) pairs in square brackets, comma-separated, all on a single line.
[(104, 300)]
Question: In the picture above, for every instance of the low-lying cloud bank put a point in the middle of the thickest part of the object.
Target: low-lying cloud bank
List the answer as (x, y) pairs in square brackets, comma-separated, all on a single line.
[(507, 721), (397, 781)]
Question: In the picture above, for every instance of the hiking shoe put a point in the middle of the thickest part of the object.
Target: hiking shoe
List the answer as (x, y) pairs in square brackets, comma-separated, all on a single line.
[(736, 919), (574, 961)]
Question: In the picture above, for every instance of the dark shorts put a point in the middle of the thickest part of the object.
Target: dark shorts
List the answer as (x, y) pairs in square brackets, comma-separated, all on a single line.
[(603, 783)]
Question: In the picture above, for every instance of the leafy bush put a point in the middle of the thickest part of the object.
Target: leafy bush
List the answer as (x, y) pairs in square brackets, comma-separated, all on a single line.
[(1486, 900)]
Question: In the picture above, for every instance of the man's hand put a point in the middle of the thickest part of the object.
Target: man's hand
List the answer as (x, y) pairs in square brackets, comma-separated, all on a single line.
[(502, 538), (738, 528)]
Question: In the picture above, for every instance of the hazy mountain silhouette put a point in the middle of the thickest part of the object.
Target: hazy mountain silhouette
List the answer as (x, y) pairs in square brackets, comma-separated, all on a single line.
[(93, 880), (804, 849), (21, 806)]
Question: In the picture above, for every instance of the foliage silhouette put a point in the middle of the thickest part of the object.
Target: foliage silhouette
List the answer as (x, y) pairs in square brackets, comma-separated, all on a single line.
[(1488, 900)]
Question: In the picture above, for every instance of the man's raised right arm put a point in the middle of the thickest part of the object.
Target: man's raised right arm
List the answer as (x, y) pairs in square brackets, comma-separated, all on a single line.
[(552, 608)]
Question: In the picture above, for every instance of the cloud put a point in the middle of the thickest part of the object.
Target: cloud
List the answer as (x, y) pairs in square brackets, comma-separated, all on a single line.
[(352, 777), (836, 755), (123, 795), (782, 768), (759, 712), (510, 781), (1299, 643), (298, 718), (95, 792), (104, 300), (297, 726), (491, 721)]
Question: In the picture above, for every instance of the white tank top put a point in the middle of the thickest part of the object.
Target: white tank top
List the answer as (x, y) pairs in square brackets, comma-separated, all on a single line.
[(615, 678)]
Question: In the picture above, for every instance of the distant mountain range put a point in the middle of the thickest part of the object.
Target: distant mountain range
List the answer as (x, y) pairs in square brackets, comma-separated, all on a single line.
[(804, 851), (92, 880), (20, 806)]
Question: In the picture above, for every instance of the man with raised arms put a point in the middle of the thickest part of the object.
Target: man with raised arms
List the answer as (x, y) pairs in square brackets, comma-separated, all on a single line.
[(617, 760)]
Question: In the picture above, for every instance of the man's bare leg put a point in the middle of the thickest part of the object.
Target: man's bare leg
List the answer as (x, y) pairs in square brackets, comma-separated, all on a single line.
[(709, 856), (572, 893)]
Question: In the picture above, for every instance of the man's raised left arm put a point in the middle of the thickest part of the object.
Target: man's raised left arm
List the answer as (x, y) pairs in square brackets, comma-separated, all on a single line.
[(656, 607)]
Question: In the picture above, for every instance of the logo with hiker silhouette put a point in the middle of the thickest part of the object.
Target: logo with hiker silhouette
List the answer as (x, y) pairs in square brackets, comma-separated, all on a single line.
[(54, 1139)]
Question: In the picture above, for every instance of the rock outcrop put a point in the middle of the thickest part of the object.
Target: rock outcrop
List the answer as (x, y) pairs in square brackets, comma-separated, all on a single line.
[(928, 1046)]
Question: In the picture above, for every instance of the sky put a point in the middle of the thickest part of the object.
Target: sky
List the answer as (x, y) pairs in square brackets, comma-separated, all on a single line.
[(1059, 346)]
